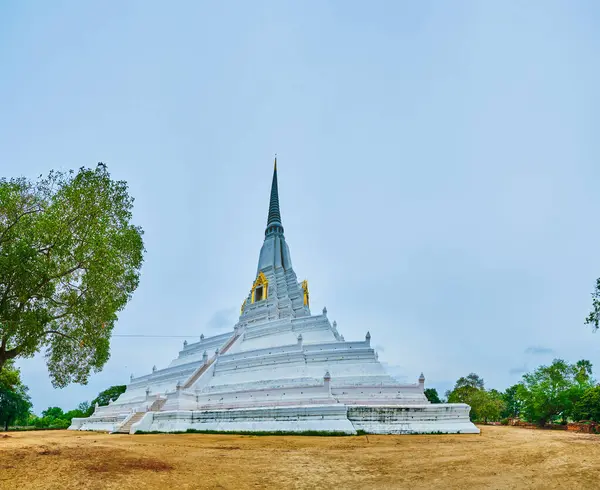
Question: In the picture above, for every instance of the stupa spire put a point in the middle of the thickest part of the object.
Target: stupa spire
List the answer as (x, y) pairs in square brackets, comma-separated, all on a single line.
[(274, 219), (274, 252)]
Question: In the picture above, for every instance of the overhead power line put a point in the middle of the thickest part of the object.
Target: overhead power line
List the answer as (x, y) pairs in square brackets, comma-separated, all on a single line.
[(157, 336)]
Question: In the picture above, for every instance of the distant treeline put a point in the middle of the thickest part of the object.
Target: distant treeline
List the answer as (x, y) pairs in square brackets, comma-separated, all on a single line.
[(15, 405), (56, 418), (558, 393)]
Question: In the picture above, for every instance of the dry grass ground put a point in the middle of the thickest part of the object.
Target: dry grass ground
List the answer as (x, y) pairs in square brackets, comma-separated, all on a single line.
[(502, 457)]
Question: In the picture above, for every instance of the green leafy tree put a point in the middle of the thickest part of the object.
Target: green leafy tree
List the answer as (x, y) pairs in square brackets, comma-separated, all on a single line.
[(432, 395), (551, 392), (593, 318), (70, 262), (583, 373), (54, 412), (52, 418), (486, 406), (582, 381), (462, 394), (56, 418), (471, 381), (467, 390), (588, 406), (13, 405), (28, 420), (111, 393), (14, 400), (490, 405), (86, 408), (10, 376), (512, 402), (50, 422)]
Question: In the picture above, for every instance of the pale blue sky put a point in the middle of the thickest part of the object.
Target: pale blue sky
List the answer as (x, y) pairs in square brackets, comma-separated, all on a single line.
[(438, 166)]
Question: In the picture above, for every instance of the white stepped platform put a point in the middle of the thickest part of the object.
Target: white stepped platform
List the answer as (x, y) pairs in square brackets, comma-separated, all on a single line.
[(322, 418), (280, 388), (105, 423)]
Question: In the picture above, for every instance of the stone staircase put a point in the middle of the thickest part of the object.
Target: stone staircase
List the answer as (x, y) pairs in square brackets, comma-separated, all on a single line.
[(157, 405), (126, 427), (202, 369), (229, 343), (194, 377)]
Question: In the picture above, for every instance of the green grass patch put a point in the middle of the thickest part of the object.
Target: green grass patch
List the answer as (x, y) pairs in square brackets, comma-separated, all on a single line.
[(32, 427), (318, 433)]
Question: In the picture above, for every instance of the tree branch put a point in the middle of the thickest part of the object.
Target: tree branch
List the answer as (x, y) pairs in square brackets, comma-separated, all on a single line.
[(22, 304), (56, 332), (6, 291), (62, 315), (16, 221), (7, 355)]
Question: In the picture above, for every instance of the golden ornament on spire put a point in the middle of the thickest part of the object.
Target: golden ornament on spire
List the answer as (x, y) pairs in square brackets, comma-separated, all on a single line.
[(305, 289), (260, 288)]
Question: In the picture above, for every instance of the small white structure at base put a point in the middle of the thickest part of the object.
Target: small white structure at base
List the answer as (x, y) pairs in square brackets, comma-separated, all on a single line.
[(281, 369)]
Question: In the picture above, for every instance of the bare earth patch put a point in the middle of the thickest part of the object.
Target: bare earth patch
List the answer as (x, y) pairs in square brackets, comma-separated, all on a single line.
[(502, 457)]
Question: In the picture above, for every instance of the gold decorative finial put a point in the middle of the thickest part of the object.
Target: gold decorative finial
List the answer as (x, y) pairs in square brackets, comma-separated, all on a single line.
[(306, 294), (260, 288)]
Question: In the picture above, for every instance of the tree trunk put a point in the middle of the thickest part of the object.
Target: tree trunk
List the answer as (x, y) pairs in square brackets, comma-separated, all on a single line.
[(7, 355)]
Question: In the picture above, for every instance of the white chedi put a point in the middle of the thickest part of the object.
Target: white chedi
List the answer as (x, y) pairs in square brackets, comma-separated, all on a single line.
[(281, 368)]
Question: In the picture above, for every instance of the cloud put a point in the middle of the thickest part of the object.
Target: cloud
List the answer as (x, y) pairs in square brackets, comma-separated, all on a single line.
[(222, 319), (539, 351), (518, 370), (397, 372)]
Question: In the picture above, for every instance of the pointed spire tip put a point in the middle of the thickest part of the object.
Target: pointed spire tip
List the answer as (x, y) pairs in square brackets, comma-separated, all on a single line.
[(274, 217)]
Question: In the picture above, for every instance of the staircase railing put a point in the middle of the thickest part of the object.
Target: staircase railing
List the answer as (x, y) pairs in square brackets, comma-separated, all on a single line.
[(125, 420), (157, 405), (202, 369)]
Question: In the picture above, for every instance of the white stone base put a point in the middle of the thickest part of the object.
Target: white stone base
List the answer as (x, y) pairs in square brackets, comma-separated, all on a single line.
[(101, 424), (434, 418), (322, 418), (348, 419)]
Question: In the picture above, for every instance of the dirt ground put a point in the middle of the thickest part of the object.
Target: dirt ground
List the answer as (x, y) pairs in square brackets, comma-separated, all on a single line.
[(501, 457)]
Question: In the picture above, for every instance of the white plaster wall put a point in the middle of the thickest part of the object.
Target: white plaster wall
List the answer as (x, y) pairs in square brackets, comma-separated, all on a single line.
[(144, 424), (286, 338), (292, 419), (107, 423), (407, 419)]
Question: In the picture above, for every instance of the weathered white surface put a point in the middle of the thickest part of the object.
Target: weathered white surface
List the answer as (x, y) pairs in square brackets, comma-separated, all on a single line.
[(144, 424), (413, 419), (402, 419), (280, 369), (328, 418), (101, 423)]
